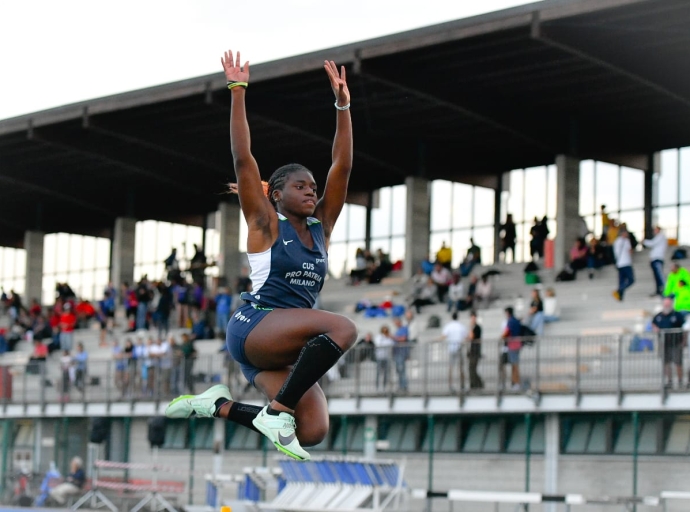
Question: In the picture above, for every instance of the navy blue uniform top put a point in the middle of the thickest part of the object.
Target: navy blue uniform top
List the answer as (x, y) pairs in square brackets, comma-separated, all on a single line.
[(289, 274)]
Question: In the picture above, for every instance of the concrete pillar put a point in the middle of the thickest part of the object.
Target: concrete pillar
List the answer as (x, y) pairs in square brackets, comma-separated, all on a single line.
[(567, 208), (122, 263), (552, 448), (228, 225), (417, 224), (653, 168), (370, 436), (33, 245)]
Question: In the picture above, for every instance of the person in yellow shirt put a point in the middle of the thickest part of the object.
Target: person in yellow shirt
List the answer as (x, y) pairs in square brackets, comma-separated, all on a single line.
[(444, 256)]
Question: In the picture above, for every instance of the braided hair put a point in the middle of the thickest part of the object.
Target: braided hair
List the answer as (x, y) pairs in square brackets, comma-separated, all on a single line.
[(279, 177)]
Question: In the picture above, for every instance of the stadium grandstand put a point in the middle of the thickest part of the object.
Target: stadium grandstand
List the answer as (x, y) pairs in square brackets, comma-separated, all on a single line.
[(572, 116)]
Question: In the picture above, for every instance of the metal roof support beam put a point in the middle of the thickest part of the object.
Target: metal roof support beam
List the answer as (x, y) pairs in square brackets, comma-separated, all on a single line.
[(117, 162), (326, 141), (38, 189), (537, 34), (431, 98)]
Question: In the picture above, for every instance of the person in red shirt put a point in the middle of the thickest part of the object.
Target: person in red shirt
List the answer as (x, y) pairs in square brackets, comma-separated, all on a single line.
[(67, 323), (35, 309)]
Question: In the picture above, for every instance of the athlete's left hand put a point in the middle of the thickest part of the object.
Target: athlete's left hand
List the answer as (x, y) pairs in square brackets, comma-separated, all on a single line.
[(338, 82)]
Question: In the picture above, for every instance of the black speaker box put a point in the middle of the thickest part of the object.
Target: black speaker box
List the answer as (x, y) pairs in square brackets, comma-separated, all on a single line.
[(157, 431), (100, 430)]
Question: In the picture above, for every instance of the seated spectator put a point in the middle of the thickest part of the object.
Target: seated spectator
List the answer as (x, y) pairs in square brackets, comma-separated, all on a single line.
[(424, 296), (472, 258), (578, 255), (35, 309), (361, 270), (675, 276), (471, 291), (456, 295), (444, 256), (551, 312), (595, 256), (85, 312), (483, 292), (38, 357), (383, 267), (72, 485), (442, 278)]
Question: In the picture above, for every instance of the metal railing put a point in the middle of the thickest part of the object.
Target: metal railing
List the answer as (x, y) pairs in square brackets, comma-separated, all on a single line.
[(564, 365)]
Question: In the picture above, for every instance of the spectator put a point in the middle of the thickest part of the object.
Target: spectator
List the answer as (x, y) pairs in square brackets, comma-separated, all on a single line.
[(471, 291), (424, 295), (657, 245), (536, 244), (68, 373), (681, 302), (513, 344), (141, 357), (676, 275), (106, 315), (669, 323), (595, 256), (474, 352), (384, 345), (189, 354), (483, 292), (177, 366), (163, 309), (622, 251), (578, 255), (223, 308), (144, 295), (130, 374), (38, 358), (605, 222), (508, 238), (456, 295), (172, 267), (472, 258), (535, 319), (383, 267), (413, 327), (156, 355), (365, 348), (35, 309), (361, 270), (455, 334), (551, 312), (401, 352), (120, 359), (72, 485), (68, 321), (442, 278), (198, 265), (80, 359), (85, 312), (444, 256)]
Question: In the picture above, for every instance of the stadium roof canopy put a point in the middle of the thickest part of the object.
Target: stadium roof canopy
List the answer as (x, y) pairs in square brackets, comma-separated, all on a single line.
[(464, 101)]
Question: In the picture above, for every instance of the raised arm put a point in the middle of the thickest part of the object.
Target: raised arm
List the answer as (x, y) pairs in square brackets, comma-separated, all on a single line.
[(258, 211), (331, 203)]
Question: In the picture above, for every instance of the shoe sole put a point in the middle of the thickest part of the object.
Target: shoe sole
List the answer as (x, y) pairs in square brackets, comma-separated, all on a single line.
[(267, 432)]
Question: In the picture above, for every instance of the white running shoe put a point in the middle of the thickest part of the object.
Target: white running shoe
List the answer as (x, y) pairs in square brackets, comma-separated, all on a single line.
[(281, 432), (203, 405)]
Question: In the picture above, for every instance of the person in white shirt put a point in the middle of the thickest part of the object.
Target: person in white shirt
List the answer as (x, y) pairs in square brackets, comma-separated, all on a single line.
[(658, 246), (455, 334), (456, 295), (384, 349), (622, 251), (413, 327)]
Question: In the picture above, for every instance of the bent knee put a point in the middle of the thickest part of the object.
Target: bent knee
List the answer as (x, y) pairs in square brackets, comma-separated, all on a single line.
[(345, 334), (312, 435)]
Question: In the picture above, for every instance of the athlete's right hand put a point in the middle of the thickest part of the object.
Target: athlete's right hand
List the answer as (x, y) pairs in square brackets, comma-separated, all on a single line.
[(233, 71)]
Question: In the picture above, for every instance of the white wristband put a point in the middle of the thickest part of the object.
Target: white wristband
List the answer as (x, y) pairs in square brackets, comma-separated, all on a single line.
[(346, 107)]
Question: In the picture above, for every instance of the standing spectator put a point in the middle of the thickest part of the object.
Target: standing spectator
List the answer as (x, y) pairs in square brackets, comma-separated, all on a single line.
[(131, 371), (172, 266), (605, 223), (676, 275), (144, 296), (106, 315), (68, 375), (455, 334), (657, 253), (120, 358), (223, 308), (140, 356), (177, 364), (666, 320), (681, 301), (366, 348), (442, 278), (156, 354), (513, 344), (536, 244), (68, 321), (456, 295), (536, 313), (474, 352), (508, 238), (401, 352), (188, 356), (198, 265), (622, 251), (72, 485), (166, 364), (80, 359), (472, 258), (163, 309), (384, 344), (413, 327), (444, 256)]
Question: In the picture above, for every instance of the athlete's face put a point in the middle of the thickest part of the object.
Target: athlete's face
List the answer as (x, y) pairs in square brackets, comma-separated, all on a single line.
[(299, 194)]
